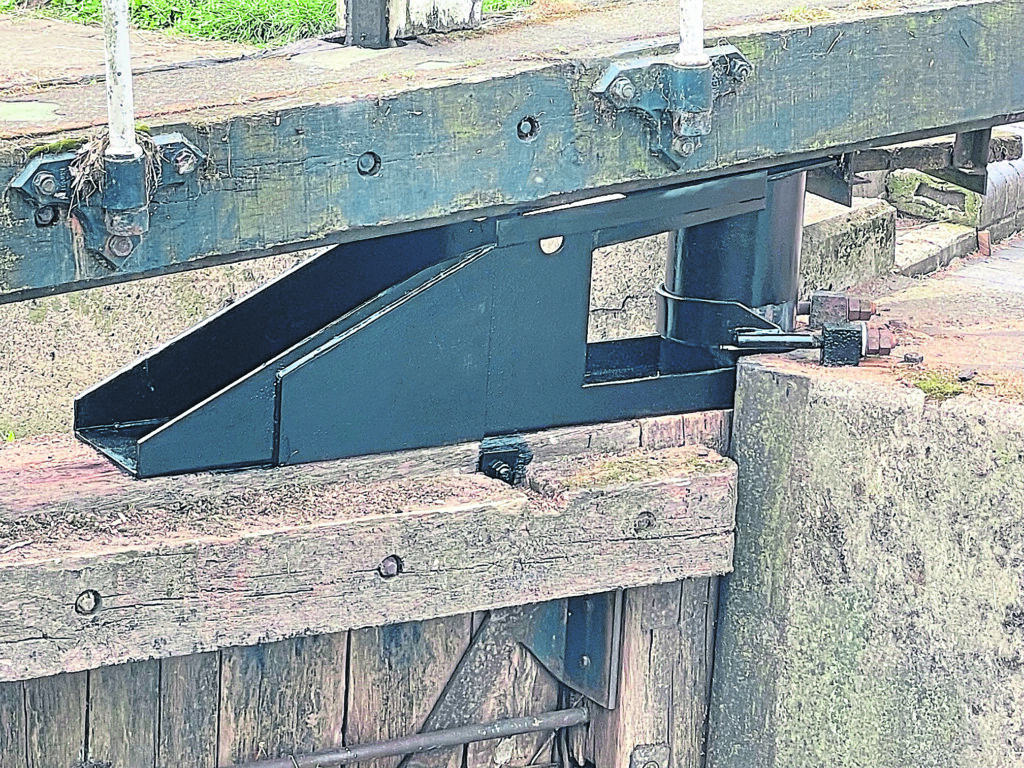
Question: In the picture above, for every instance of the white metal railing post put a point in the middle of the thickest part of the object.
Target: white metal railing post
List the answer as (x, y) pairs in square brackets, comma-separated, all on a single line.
[(120, 100), (691, 35)]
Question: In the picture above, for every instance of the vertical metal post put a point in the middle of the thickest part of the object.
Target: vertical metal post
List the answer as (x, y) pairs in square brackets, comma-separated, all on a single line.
[(752, 259), (120, 99), (691, 34)]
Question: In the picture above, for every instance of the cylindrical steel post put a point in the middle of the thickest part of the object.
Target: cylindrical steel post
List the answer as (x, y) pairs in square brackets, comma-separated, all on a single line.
[(691, 34), (120, 100), (752, 259)]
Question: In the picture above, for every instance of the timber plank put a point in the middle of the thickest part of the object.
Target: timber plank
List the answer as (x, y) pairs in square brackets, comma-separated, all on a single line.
[(282, 698), (189, 703), (467, 543), (397, 672), (692, 674), (13, 747), (123, 712), (521, 687), (55, 708), (293, 143), (642, 718)]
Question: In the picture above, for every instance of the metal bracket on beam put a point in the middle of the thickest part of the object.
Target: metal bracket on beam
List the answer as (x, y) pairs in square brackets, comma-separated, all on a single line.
[(677, 101), (969, 167), (111, 214), (835, 182)]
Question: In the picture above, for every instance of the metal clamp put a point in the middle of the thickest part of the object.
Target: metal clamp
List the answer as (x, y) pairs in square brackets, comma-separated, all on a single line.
[(114, 218), (677, 101)]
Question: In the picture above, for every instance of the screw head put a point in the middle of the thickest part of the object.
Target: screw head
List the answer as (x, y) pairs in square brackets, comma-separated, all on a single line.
[(584, 661), (120, 246), (528, 128), (185, 161), (368, 164), (45, 183), (87, 603), (390, 567)]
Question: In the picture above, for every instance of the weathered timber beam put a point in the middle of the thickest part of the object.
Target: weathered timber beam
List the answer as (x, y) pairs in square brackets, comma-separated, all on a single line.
[(177, 566), (282, 175)]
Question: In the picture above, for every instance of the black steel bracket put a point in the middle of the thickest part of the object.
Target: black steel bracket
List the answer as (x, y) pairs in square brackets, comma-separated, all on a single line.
[(109, 220), (969, 163), (505, 458), (676, 101)]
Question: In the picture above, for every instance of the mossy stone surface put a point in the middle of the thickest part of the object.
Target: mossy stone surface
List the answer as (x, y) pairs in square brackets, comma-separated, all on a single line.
[(874, 616)]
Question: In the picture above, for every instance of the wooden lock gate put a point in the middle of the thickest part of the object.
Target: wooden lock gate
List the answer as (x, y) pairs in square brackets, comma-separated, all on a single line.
[(437, 600)]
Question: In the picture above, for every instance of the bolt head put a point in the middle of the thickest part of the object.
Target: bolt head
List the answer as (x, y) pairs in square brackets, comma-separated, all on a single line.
[(622, 89), (685, 145), (584, 661), (87, 603), (45, 183), (45, 216), (390, 567), (120, 246), (185, 162)]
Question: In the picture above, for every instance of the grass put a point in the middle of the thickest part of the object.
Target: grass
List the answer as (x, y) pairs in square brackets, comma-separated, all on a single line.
[(256, 22), (939, 385)]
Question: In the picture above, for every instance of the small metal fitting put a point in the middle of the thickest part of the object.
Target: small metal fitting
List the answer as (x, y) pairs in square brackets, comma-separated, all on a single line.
[(185, 162), (880, 340), (622, 91), (830, 308), (45, 183), (390, 567), (87, 603), (46, 215), (685, 145), (120, 246)]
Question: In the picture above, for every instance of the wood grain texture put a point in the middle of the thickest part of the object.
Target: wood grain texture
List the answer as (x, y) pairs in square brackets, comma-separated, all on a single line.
[(664, 687), (397, 673), (124, 714), (55, 711), (642, 717), (13, 752), (282, 698), (466, 543), (447, 135), (189, 705)]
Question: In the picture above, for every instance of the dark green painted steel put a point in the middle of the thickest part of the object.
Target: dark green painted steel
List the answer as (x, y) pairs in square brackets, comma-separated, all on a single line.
[(427, 338), (278, 181)]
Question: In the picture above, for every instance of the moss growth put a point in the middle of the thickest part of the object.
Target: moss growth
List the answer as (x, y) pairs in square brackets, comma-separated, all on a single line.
[(939, 385), (637, 467), (57, 147)]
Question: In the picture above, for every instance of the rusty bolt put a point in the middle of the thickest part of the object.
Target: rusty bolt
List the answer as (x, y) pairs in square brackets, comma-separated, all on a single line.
[(185, 161), (120, 246), (622, 90), (45, 183), (87, 603), (880, 340), (390, 567)]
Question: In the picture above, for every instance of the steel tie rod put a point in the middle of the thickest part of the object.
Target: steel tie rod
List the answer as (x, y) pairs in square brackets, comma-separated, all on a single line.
[(425, 742)]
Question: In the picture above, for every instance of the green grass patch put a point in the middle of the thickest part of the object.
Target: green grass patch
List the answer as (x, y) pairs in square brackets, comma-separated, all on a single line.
[(497, 6), (939, 385), (257, 22)]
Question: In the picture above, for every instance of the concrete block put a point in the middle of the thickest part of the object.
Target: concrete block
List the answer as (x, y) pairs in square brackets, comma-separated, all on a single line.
[(843, 247), (876, 613), (933, 246)]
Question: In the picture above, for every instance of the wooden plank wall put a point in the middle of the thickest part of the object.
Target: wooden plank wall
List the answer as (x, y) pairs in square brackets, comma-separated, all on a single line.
[(310, 693)]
